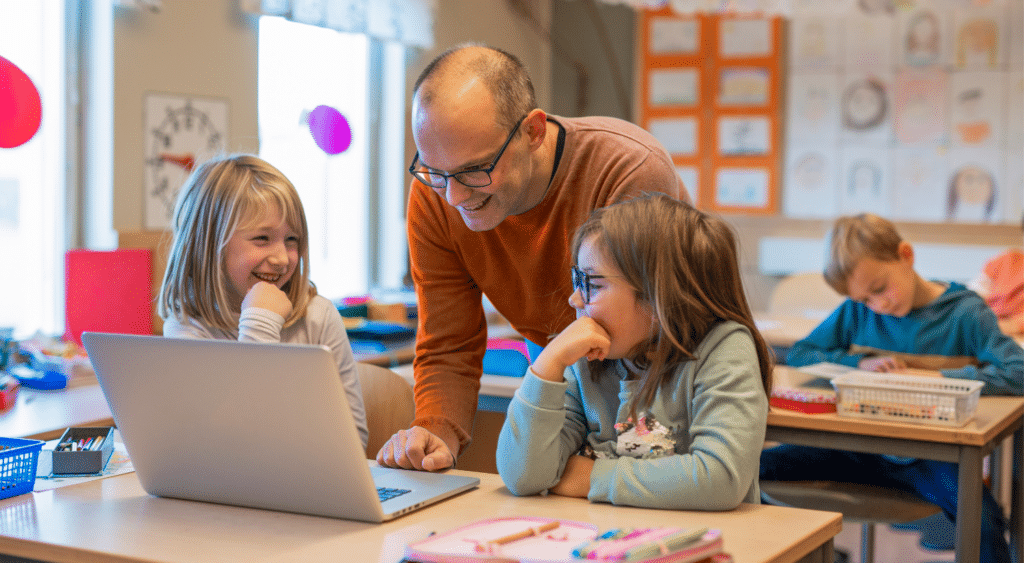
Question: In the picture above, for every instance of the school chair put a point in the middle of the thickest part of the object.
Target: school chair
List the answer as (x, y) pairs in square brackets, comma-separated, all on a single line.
[(388, 401), (864, 504)]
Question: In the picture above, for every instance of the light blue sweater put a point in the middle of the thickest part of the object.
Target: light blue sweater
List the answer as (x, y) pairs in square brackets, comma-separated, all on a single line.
[(697, 447)]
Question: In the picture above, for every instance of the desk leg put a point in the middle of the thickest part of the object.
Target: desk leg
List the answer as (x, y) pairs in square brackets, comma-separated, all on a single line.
[(824, 554), (1017, 499), (968, 508)]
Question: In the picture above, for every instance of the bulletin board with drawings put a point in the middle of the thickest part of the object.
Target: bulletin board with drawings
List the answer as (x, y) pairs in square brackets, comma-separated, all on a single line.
[(710, 91), (912, 110)]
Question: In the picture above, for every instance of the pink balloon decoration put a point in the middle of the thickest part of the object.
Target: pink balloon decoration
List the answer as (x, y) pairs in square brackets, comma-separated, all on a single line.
[(20, 108), (330, 129)]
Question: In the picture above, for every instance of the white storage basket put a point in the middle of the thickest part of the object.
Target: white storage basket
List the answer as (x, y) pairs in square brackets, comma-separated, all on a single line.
[(907, 398)]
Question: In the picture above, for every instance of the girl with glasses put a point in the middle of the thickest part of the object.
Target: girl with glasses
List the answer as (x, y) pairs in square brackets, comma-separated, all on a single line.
[(657, 394)]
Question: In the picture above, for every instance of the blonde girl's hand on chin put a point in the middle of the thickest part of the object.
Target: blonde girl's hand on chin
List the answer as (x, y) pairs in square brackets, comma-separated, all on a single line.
[(584, 338), (268, 296)]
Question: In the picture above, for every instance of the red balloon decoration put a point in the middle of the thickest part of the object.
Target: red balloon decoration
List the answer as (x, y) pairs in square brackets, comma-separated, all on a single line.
[(21, 110), (330, 129)]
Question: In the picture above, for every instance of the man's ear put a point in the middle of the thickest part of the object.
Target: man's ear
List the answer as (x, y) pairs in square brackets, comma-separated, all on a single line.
[(536, 127)]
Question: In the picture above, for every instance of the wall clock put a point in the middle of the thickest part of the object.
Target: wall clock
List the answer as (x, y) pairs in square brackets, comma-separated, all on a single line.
[(179, 132)]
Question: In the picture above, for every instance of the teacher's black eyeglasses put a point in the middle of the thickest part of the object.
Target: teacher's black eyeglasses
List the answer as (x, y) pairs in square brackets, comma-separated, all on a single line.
[(475, 178)]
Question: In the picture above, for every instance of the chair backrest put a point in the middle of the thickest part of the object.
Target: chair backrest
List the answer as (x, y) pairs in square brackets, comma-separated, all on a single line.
[(388, 401), (804, 294)]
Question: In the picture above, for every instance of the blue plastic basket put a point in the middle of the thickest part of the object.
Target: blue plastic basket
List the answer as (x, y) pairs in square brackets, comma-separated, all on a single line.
[(18, 459)]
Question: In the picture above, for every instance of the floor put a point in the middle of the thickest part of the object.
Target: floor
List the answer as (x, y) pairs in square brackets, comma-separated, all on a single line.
[(891, 546)]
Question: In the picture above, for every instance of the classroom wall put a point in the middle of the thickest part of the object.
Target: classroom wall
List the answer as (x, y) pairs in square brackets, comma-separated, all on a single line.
[(573, 31), (201, 48), (209, 48)]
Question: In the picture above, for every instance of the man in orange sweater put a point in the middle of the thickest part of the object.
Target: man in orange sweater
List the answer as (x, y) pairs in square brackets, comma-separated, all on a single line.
[(499, 188)]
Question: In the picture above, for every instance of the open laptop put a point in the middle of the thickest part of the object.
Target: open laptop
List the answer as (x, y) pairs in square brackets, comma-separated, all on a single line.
[(257, 425)]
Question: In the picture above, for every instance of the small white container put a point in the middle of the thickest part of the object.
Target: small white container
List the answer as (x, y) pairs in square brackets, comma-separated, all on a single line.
[(907, 398)]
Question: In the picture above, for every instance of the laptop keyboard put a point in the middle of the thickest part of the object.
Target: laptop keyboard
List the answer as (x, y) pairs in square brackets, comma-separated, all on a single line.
[(386, 493)]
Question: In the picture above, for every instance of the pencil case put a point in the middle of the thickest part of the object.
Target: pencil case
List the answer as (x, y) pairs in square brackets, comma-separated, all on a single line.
[(93, 448), (529, 539)]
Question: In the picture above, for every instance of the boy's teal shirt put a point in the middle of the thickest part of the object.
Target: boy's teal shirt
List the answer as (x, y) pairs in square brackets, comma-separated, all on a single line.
[(958, 323)]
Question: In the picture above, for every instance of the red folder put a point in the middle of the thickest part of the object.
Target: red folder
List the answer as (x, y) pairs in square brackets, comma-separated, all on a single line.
[(107, 291)]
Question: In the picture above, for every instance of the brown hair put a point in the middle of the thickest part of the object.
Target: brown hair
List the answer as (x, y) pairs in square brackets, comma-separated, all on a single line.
[(220, 196), (684, 265), (854, 238)]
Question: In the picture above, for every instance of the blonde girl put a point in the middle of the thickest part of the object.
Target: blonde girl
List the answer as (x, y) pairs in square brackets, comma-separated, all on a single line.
[(657, 394), (238, 268)]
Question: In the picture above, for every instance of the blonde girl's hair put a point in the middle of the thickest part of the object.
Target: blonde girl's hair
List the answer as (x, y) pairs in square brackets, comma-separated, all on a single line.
[(220, 196), (684, 266), (854, 238)]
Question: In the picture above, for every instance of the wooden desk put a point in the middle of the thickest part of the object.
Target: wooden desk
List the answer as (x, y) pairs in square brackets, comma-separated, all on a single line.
[(44, 415), (114, 519), (995, 419)]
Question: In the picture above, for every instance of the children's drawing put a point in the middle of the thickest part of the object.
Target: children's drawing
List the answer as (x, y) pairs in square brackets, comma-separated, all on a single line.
[(743, 86), (918, 179), (920, 100), (971, 196), (677, 134), (922, 40), (674, 36), (814, 42), (976, 108), (864, 104), (674, 87), (741, 187), (976, 42), (809, 190), (744, 136), (812, 107), (744, 37), (868, 41), (864, 181), (691, 181)]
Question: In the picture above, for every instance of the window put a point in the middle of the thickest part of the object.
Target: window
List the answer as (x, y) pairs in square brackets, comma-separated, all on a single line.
[(33, 176), (300, 68)]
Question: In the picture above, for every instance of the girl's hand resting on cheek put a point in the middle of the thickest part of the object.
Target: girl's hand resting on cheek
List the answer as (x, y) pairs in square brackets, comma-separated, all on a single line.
[(583, 338), (268, 296)]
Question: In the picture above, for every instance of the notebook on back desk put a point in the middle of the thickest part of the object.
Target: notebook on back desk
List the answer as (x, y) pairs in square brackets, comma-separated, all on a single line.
[(257, 425)]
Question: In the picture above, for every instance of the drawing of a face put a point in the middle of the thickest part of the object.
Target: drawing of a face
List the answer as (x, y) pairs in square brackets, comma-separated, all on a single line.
[(923, 39), (864, 105), (973, 185), (809, 172), (865, 180)]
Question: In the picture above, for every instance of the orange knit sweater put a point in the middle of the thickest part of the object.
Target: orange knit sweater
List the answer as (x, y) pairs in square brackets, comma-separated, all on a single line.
[(522, 265)]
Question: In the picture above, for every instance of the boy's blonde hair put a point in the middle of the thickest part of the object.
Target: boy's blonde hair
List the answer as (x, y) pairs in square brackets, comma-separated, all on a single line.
[(220, 196), (684, 266), (854, 238)]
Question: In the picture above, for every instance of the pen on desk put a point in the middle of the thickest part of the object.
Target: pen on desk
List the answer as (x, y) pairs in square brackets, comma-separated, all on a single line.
[(528, 532)]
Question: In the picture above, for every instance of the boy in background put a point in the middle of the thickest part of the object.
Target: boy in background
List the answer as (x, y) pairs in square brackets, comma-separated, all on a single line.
[(895, 320)]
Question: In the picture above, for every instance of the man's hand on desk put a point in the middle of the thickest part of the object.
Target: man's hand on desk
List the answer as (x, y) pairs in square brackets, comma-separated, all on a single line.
[(416, 448)]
